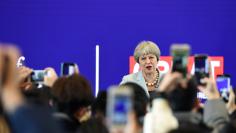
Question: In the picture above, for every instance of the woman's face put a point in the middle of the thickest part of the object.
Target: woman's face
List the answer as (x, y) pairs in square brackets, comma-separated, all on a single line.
[(148, 63)]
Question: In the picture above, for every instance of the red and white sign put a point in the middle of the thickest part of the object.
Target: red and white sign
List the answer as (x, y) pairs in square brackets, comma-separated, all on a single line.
[(165, 64)]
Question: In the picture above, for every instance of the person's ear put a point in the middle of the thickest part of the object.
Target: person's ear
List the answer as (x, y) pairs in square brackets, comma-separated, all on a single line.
[(82, 114)]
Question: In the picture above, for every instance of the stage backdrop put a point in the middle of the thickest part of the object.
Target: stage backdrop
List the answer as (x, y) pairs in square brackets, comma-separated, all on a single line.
[(53, 31)]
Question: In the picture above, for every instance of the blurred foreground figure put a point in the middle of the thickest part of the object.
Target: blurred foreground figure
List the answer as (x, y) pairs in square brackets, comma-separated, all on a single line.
[(23, 117), (73, 99)]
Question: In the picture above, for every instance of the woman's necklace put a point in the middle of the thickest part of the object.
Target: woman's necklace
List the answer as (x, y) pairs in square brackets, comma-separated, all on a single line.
[(155, 82)]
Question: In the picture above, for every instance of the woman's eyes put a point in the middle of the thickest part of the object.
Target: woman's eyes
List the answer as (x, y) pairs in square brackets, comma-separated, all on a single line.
[(143, 58), (151, 57)]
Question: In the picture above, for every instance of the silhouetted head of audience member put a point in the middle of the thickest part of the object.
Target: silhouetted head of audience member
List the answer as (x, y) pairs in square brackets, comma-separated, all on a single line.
[(140, 100), (36, 96), (228, 128), (73, 96), (99, 105), (183, 99), (93, 126), (189, 128)]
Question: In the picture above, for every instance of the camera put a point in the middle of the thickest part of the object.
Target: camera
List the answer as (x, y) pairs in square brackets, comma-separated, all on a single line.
[(67, 69), (38, 76), (180, 53)]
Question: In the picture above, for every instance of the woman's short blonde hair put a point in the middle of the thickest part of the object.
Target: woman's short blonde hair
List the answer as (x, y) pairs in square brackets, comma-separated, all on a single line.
[(146, 47)]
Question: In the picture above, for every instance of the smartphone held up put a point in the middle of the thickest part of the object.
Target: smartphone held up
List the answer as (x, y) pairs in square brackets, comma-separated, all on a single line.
[(223, 85), (201, 67), (180, 53), (118, 107), (68, 68)]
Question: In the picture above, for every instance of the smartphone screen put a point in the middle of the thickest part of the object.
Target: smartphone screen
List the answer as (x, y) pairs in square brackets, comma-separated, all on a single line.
[(223, 85), (118, 107), (180, 55), (201, 67), (37, 76), (121, 109), (67, 69)]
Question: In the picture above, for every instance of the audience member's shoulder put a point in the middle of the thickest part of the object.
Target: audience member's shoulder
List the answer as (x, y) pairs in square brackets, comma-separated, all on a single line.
[(129, 78), (132, 75)]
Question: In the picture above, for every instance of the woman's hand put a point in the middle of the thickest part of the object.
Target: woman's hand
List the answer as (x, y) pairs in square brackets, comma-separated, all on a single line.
[(50, 77), (23, 73), (76, 69), (10, 93), (231, 107), (210, 90), (24, 77), (169, 82)]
